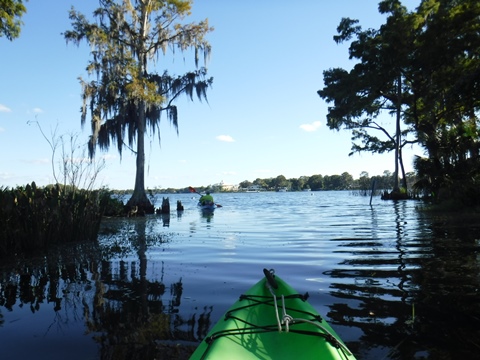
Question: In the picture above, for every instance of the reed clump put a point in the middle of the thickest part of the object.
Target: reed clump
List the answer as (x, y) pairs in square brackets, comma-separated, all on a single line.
[(33, 218)]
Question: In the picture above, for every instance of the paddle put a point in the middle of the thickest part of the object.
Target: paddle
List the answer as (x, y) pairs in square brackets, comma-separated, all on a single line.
[(192, 190)]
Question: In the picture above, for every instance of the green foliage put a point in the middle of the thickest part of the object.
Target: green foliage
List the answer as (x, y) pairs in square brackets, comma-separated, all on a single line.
[(345, 181), (423, 66), (447, 94), (11, 12), (35, 218), (375, 85), (126, 99), (280, 182), (111, 206)]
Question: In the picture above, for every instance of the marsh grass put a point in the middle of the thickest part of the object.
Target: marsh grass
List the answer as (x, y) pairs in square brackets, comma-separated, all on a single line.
[(33, 218)]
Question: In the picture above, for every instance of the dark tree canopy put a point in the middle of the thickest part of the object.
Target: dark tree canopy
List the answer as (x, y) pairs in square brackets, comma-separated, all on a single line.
[(423, 67)]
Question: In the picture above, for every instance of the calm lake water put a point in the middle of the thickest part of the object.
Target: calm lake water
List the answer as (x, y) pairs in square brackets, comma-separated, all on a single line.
[(394, 281)]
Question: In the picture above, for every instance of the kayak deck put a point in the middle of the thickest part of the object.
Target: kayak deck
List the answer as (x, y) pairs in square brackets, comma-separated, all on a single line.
[(261, 325)]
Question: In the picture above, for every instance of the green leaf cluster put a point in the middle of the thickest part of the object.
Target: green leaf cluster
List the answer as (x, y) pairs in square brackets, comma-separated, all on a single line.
[(127, 96), (422, 66), (127, 37), (11, 12)]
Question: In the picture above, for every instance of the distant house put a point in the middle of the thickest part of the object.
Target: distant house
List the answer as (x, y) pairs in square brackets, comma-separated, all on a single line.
[(225, 187)]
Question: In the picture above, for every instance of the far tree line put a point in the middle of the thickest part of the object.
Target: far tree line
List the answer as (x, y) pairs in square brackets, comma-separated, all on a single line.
[(363, 185), (345, 181)]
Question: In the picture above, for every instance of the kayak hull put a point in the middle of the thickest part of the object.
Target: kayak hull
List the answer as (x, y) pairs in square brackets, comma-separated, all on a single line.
[(206, 207), (251, 330)]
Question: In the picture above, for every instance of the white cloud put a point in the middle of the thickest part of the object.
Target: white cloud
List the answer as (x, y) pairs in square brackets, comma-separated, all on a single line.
[(37, 110), (3, 108), (226, 138), (2, 129), (311, 127)]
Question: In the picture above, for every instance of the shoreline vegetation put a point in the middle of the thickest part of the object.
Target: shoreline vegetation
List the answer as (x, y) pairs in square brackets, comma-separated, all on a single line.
[(34, 217), (345, 181)]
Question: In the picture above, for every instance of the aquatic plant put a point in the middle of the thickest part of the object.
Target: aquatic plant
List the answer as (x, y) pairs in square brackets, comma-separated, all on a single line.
[(33, 218)]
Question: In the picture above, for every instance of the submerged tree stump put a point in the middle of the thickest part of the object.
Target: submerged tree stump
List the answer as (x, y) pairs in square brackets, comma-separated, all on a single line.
[(165, 208), (179, 205)]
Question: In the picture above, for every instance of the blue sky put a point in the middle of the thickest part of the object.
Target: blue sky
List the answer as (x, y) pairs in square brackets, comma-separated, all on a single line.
[(263, 117)]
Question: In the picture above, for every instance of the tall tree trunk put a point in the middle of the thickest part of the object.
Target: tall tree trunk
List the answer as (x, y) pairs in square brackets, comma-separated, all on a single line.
[(140, 174), (139, 196)]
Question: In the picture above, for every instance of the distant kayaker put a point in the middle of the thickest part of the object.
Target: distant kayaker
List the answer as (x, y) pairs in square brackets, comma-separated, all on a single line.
[(206, 199)]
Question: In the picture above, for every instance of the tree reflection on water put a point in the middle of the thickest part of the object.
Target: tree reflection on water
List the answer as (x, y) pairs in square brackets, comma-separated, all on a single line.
[(417, 297), (128, 314), (130, 311)]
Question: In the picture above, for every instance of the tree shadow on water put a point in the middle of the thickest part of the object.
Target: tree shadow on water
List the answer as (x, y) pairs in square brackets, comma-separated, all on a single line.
[(129, 312), (414, 295)]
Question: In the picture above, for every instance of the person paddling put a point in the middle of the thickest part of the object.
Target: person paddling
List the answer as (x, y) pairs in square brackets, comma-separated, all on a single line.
[(206, 199)]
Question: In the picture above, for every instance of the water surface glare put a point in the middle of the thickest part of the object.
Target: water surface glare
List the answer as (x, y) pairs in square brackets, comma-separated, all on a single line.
[(395, 282)]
